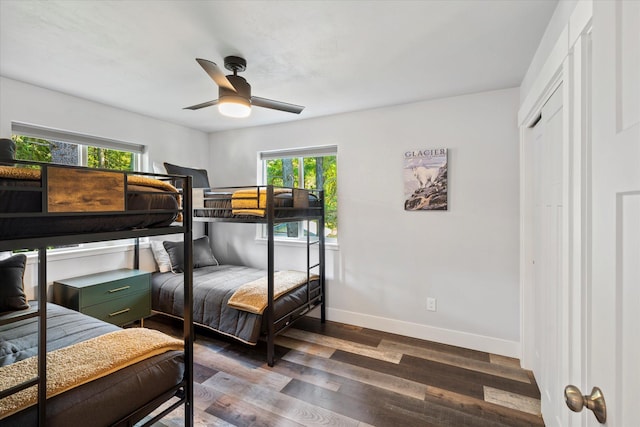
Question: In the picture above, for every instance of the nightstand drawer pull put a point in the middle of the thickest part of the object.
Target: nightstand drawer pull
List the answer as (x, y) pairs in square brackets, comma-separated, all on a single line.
[(124, 288), (119, 312)]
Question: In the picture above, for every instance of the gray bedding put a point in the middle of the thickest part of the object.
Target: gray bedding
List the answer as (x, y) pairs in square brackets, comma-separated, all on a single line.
[(101, 401), (65, 327), (212, 288)]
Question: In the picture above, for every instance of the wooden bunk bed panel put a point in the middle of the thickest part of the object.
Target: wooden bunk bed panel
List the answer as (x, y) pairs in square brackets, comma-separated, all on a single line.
[(67, 190), (213, 286), (107, 399)]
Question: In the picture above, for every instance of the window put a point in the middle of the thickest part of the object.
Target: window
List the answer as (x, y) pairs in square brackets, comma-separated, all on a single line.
[(54, 146), (40, 144), (310, 168)]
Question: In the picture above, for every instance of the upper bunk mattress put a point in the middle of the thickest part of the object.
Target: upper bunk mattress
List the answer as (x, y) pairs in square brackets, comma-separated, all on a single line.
[(143, 203), (251, 204)]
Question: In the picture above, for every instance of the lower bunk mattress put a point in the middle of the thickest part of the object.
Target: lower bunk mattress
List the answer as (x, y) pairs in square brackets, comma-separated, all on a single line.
[(103, 401), (213, 287)]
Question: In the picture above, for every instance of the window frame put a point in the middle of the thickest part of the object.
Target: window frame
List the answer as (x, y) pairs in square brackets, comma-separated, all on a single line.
[(300, 154), (84, 141)]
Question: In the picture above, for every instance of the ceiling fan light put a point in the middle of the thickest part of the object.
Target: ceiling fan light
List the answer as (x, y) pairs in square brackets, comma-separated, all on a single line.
[(234, 106)]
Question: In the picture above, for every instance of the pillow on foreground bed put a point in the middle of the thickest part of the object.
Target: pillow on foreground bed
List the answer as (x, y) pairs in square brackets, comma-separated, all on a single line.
[(12, 296), (202, 254), (200, 176)]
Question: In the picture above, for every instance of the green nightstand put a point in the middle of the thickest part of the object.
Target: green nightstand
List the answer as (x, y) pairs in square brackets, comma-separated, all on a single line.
[(118, 296)]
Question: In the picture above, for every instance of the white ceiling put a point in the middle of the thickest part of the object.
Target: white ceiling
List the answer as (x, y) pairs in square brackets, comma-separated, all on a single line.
[(331, 56)]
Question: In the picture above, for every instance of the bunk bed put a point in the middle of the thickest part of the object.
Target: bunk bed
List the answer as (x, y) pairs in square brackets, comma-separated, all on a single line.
[(246, 303), (44, 205)]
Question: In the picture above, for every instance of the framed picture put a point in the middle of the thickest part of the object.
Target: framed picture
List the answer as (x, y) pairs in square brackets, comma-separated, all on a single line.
[(425, 180)]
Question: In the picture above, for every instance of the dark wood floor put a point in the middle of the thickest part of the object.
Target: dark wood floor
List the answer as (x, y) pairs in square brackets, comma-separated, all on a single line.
[(341, 375)]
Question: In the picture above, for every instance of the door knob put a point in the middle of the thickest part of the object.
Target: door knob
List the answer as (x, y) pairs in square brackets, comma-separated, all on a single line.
[(595, 401)]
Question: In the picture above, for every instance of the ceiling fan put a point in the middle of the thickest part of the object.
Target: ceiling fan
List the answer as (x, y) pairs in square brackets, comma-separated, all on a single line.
[(234, 93)]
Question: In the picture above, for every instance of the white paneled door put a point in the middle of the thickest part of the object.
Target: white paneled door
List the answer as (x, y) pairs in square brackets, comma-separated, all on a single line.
[(613, 306), (547, 266)]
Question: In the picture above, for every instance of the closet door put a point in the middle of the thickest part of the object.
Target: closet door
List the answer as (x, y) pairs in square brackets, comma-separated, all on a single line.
[(547, 269), (613, 353)]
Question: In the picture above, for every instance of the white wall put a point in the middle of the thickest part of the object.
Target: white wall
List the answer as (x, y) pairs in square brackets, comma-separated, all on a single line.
[(390, 260), (164, 141)]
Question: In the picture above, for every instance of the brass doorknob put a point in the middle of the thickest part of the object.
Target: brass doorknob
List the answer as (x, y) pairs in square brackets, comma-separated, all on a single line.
[(595, 401)]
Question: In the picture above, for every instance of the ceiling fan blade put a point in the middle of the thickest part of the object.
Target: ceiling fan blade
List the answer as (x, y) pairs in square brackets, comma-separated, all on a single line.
[(276, 105), (215, 73), (204, 104)]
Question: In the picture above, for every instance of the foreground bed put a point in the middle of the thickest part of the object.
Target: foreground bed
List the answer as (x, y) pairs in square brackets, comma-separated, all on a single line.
[(105, 400)]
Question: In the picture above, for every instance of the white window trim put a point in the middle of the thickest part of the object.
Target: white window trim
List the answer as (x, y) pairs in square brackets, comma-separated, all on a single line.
[(87, 250), (43, 132), (319, 151), (36, 131)]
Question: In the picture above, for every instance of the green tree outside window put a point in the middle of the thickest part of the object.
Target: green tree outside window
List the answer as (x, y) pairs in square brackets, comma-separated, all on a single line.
[(42, 150), (317, 172)]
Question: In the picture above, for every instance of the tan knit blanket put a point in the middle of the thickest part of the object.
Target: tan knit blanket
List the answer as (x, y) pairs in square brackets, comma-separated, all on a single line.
[(247, 201), (81, 363), (253, 296)]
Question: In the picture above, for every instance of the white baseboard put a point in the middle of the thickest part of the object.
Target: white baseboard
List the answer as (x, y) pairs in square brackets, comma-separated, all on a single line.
[(425, 332)]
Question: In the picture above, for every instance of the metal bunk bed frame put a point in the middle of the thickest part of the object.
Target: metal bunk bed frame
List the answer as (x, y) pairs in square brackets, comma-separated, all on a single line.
[(184, 390), (270, 219)]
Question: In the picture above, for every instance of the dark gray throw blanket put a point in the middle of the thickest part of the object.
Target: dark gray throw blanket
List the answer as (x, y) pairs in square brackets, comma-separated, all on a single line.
[(212, 288)]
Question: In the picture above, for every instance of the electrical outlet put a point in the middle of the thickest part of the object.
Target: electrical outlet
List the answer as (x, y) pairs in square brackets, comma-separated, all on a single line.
[(431, 304)]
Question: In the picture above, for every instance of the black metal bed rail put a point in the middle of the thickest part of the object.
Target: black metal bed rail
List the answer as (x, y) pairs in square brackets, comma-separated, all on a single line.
[(32, 164), (297, 312), (136, 416), (43, 167), (18, 318), (85, 214), (19, 387), (73, 238)]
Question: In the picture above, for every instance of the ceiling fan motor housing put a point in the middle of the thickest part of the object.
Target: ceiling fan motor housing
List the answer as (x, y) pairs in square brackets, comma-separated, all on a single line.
[(242, 94)]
